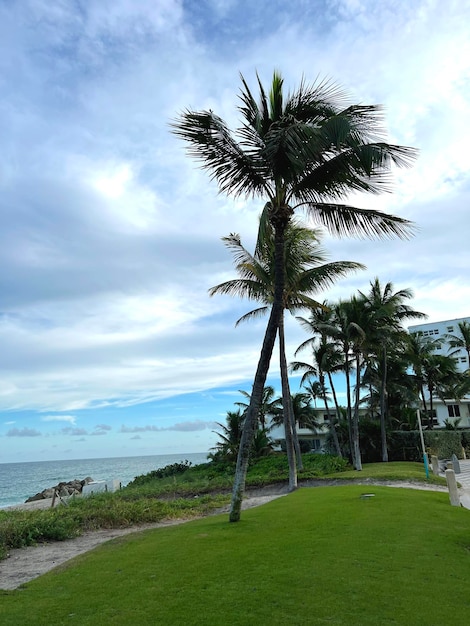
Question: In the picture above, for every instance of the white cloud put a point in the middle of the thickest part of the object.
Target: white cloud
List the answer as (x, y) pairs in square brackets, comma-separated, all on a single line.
[(111, 234), (71, 419)]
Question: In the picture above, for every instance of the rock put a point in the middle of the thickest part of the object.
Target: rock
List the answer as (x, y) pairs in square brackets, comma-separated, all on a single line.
[(64, 489)]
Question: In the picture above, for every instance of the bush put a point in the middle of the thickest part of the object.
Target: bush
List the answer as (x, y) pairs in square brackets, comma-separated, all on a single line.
[(164, 472), (25, 528), (444, 443)]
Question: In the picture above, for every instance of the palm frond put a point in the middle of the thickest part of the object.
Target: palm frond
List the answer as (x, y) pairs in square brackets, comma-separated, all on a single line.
[(211, 143), (343, 220), (260, 312)]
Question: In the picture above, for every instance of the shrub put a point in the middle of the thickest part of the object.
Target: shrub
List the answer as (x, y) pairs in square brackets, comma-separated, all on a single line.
[(444, 443), (169, 470)]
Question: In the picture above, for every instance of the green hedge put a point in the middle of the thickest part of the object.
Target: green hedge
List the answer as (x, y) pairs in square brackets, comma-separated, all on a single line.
[(406, 445), (444, 443)]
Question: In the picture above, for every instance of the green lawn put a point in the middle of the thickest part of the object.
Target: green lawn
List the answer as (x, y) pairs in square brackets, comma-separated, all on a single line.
[(394, 471), (317, 556)]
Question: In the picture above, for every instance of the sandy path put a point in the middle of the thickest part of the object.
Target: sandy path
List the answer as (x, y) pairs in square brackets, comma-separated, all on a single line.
[(25, 564)]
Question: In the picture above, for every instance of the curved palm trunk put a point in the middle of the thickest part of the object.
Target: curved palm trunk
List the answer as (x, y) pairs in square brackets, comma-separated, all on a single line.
[(287, 413), (355, 425), (383, 408), (261, 373)]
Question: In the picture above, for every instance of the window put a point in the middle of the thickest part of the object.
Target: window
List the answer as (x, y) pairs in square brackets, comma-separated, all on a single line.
[(453, 410), (326, 417), (450, 329), (436, 331), (463, 359)]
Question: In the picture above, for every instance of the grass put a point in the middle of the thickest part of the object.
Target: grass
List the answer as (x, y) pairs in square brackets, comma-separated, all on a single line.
[(190, 492), (317, 556), (393, 471)]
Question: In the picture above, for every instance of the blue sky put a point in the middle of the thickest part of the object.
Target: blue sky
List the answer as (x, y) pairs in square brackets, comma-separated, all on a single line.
[(110, 234)]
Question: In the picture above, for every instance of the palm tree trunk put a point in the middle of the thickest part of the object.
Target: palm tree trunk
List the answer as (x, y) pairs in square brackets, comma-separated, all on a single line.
[(336, 418), (331, 419), (423, 397), (383, 387), (355, 426), (431, 418), (261, 373), (348, 405), (289, 426)]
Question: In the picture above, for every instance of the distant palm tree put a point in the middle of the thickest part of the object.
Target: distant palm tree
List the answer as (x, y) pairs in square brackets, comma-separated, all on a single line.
[(439, 373), (269, 404), (386, 310), (230, 436), (460, 341), (304, 413), (314, 390), (419, 350), (322, 354), (306, 150)]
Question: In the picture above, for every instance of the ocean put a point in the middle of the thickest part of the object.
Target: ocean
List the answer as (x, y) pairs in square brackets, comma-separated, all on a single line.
[(20, 481)]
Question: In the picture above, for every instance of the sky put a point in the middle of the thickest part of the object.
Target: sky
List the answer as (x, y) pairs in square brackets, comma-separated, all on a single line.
[(111, 235)]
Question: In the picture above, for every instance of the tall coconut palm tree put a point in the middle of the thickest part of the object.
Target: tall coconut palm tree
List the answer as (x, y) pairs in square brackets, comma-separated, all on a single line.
[(307, 150), (387, 311), (305, 273)]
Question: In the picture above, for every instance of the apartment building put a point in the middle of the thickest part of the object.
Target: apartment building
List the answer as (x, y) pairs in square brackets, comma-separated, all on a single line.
[(452, 409)]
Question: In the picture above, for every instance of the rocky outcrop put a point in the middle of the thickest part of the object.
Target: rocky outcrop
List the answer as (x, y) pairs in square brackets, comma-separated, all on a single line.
[(72, 488)]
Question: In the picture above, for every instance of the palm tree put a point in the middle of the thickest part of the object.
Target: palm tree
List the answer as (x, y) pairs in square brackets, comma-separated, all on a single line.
[(322, 354), (317, 325), (315, 390), (305, 273), (419, 351), (269, 404), (304, 412), (387, 311), (304, 151), (439, 374), (230, 436), (460, 341)]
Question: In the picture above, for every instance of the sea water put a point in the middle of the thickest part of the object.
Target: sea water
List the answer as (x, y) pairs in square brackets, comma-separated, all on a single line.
[(20, 481)]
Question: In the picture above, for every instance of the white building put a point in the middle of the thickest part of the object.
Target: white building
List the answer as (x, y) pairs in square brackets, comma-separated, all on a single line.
[(452, 409)]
